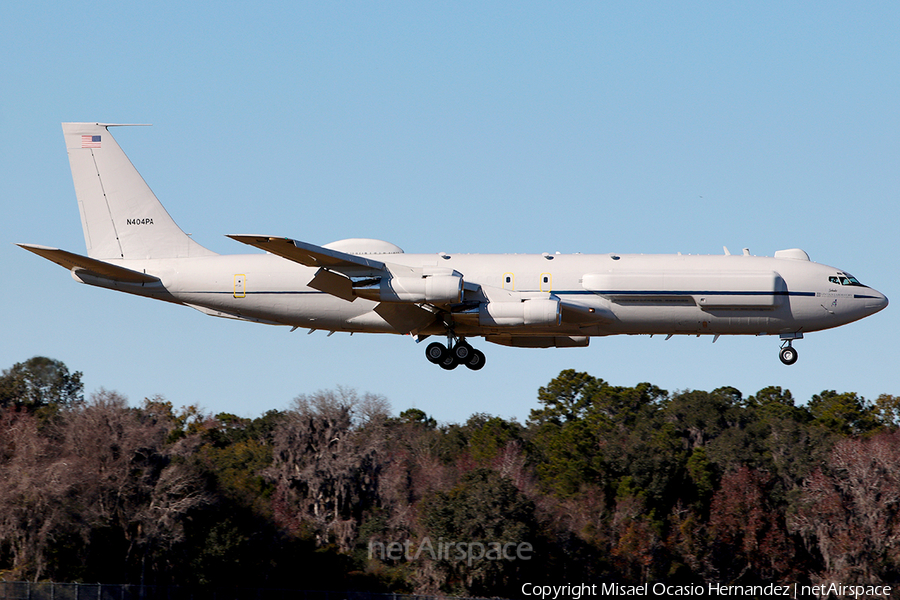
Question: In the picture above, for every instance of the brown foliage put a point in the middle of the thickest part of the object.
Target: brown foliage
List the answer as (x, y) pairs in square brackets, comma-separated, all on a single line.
[(98, 466), (326, 466), (34, 484), (850, 510), (608, 484), (637, 544), (749, 536)]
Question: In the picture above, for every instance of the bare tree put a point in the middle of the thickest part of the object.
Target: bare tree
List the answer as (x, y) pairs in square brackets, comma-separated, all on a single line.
[(97, 466), (850, 510), (32, 495), (328, 463)]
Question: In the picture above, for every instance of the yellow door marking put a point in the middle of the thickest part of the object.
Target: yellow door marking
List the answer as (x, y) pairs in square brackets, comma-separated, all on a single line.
[(546, 282), (240, 286)]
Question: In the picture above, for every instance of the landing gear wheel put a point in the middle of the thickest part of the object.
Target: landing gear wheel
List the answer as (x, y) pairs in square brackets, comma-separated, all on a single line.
[(788, 355), (436, 352), (476, 360), (463, 352), (449, 363)]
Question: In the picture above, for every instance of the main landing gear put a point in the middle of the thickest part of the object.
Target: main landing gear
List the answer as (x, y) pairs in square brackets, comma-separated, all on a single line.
[(460, 353)]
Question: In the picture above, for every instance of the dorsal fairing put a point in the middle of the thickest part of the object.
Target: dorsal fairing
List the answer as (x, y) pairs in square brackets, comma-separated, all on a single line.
[(364, 246), (793, 254)]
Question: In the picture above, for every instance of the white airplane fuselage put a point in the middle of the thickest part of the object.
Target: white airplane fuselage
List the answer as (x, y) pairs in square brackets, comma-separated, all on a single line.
[(370, 286), (801, 298)]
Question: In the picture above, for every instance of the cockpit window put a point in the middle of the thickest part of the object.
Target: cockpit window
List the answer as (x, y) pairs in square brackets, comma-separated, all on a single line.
[(845, 279)]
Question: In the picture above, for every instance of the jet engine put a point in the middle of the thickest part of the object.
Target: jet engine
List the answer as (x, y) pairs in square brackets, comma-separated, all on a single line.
[(435, 289), (534, 311)]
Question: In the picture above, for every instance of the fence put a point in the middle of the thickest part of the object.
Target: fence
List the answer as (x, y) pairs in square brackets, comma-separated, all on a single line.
[(22, 590)]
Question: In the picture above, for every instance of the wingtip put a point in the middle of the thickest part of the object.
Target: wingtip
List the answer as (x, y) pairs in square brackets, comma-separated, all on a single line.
[(244, 237), (33, 247)]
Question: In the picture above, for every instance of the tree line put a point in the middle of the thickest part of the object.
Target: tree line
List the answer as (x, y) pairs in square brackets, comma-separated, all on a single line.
[(602, 483)]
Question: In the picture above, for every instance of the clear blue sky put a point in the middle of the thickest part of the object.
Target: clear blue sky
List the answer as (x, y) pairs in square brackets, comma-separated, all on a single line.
[(648, 127)]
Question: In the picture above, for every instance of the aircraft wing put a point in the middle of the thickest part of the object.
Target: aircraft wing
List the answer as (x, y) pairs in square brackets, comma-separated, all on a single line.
[(335, 267), (76, 262), (310, 254)]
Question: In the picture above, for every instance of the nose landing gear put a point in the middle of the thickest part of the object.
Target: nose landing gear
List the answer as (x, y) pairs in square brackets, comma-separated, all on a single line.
[(788, 354), (460, 353)]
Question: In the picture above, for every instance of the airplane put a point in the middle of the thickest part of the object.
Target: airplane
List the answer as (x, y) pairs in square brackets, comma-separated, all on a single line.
[(366, 285)]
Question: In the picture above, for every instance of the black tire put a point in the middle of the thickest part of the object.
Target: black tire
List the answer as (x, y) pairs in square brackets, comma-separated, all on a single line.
[(476, 360), (462, 351), (449, 363), (788, 355), (435, 352)]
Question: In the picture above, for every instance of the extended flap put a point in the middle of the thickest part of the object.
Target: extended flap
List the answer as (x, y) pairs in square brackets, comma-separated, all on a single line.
[(334, 284)]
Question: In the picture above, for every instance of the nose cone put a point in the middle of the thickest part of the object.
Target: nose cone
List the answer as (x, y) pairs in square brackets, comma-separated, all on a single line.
[(875, 301)]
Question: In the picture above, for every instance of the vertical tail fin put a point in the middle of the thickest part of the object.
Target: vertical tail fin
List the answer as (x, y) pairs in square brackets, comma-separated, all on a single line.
[(121, 216)]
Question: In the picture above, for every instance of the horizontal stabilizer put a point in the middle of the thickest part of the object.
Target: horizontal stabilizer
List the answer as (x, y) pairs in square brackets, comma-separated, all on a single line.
[(76, 262)]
